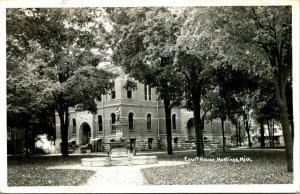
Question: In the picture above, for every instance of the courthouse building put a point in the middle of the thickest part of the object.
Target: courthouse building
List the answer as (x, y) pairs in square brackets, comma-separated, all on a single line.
[(143, 115)]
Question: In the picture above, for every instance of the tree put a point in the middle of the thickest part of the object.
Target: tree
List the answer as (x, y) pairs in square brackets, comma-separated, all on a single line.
[(196, 60), (233, 86), (267, 32), (264, 105), (64, 60), (24, 110), (142, 42), (219, 110)]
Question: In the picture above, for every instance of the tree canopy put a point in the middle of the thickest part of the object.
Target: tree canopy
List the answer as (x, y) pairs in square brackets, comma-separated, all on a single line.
[(67, 50)]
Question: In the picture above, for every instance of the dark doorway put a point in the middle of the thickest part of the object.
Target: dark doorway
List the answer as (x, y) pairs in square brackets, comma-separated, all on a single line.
[(190, 129), (132, 142), (86, 134), (150, 141), (175, 142)]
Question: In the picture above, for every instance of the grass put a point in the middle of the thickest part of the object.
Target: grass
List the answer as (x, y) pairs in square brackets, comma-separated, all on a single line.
[(267, 167), (33, 171)]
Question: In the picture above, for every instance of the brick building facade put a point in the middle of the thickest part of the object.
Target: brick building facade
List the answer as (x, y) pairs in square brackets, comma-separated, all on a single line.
[(143, 115)]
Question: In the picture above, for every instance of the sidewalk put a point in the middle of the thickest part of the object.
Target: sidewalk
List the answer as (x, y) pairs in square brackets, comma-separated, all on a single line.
[(118, 175)]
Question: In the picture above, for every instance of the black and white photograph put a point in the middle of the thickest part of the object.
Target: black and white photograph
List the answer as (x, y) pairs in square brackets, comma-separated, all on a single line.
[(132, 96)]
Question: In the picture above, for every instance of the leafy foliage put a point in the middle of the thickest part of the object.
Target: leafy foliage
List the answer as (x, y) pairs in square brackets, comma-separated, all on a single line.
[(63, 48), (142, 41)]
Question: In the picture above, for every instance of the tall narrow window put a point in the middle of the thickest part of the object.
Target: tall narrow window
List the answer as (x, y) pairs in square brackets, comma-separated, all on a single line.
[(174, 121), (113, 121), (145, 91), (149, 93), (129, 93), (113, 92), (74, 126), (100, 123), (130, 121), (149, 121)]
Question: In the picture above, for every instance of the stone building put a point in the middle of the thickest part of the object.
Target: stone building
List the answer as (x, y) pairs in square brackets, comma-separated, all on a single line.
[(143, 115)]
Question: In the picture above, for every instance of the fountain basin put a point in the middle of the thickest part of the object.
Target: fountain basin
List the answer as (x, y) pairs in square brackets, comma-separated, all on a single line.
[(95, 161), (119, 161)]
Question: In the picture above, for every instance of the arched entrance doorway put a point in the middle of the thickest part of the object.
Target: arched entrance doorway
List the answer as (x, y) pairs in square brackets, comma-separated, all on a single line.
[(85, 133), (190, 129)]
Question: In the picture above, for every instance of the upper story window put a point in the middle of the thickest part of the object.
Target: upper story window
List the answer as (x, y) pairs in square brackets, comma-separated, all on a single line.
[(74, 126), (149, 121), (113, 92), (100, 123), (130, 121), (174, 121), (149, 92), (129, 93), (113, 121), (145, 91)]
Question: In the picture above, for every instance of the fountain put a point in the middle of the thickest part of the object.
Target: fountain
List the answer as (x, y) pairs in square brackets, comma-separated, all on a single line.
[(119, 151)]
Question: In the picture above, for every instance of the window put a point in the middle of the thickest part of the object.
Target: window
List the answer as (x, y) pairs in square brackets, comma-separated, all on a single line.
[(149, 121), (174, 121), (113, 121), (129, 93), (130, 121), (145, 91), (149, 93), (100, 123), (74, 126), (113, 94)]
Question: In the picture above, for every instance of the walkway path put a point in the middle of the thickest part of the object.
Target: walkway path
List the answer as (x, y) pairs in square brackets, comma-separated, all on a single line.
[(118, 175)]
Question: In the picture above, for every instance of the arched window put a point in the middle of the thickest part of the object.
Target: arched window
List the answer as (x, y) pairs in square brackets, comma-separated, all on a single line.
[(174, 121), (130, 121), (149, 121), (100, 123), (74, 126), (113, 121)]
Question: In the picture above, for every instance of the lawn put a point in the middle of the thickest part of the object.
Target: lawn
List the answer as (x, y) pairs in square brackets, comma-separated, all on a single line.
[(34, 172), (267, 167)]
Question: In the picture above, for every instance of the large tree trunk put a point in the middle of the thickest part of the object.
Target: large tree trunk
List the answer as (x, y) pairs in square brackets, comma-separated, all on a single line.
[(280, 86), (262, 135), (287, 137), (197, 123), (168, 125), (223, 134), (64, 124), (246, 124)]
